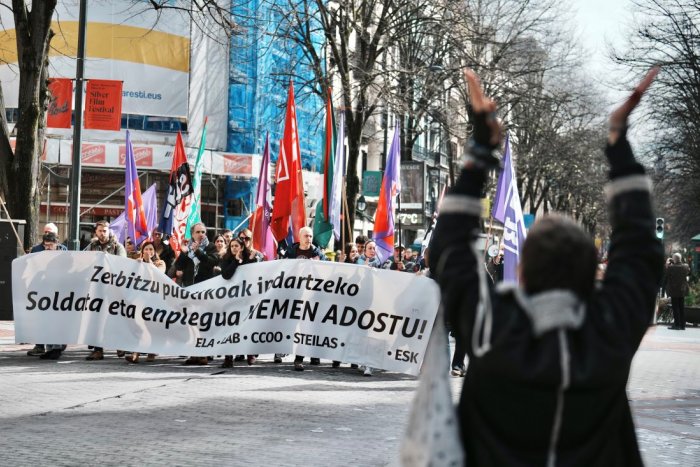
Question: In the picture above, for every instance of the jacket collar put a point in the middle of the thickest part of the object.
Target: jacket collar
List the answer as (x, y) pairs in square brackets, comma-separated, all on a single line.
[(550, 310)]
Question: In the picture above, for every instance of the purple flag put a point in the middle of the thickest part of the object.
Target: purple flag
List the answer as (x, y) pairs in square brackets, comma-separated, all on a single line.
[(498, 211), (513, 223), (150, 206), (263, 240), (391, 186), (133, 204)]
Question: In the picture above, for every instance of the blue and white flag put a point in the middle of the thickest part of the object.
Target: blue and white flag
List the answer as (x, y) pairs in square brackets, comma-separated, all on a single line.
[(338, 177), (508, 203)]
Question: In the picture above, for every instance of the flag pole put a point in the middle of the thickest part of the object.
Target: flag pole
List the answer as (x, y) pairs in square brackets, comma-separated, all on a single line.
[(347, 215), (398, 200), (488, 237), (342, 221)]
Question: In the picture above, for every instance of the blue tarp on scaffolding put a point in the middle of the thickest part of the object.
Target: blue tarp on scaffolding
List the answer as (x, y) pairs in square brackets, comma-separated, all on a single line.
[(259, 65)]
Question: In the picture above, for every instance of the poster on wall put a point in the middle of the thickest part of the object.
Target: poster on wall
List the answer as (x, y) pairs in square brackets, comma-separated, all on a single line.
[(148, 50), (103, 105), (58, 114)]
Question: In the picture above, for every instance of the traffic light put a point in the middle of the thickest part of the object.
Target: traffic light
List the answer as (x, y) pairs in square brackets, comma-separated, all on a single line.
[(660, 228)]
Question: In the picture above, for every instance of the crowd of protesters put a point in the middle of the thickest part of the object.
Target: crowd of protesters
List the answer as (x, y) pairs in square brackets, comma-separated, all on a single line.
[(200, 259)]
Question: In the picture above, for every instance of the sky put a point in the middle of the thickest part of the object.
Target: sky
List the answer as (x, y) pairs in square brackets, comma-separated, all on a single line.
[(602, 22)]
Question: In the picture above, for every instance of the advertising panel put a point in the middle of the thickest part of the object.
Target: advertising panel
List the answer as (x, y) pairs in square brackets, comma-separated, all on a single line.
[(148, 50), (58, 114), (371, 182), (103, 105), (412, 185)]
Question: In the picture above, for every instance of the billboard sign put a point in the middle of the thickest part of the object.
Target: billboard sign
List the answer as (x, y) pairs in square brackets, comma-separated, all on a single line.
[(412, 185), (148, 50)]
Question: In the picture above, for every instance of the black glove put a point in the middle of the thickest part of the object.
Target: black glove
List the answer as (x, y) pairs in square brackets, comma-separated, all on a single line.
[(621, 157), (482, 152)]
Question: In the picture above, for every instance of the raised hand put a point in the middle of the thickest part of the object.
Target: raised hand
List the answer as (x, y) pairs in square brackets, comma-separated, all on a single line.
[(487, 129), (619, 116)]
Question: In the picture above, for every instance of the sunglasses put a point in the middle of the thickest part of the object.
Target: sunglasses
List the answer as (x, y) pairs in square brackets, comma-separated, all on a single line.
[(245, 239)]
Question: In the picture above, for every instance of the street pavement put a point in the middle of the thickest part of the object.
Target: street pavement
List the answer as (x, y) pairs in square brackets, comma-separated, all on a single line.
[(74, 412)]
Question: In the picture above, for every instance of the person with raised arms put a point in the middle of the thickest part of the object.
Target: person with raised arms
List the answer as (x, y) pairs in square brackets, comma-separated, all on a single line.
[(549, 359)]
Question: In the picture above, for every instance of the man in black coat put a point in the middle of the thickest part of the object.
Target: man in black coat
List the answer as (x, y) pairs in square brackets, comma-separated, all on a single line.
[(196, 264), (677, 288), (549, 360)]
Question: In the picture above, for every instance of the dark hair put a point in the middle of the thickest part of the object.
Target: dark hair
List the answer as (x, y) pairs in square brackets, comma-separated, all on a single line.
[(49, 237), (348, 249), (361, 239), (245, 251), (155, 256), (558, 254)]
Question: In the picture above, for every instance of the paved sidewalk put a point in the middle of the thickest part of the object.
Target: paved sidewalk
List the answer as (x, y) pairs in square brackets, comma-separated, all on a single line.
[(71, 412)]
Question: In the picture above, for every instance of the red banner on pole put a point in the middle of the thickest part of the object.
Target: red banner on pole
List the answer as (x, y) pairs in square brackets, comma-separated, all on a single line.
[(103, 105), (60, 103)]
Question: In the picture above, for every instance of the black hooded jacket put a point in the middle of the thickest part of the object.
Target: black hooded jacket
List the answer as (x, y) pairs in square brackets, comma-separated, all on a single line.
[(547, 375)]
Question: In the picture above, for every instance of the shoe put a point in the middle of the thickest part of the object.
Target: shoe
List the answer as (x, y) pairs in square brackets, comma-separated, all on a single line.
[(674, 328), (336, 364), (278, 358), (315, 361), (298, 366), (197, 361), (251, 359), (133, 358), (121, 353), (239, 358), (367, 372), (37, 351), (95, 355), (51, 355), (228, 362), (151, 357), (457, 371)]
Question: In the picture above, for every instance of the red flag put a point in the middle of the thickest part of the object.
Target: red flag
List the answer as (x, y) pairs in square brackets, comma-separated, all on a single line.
[(289, 191), (60, 103)]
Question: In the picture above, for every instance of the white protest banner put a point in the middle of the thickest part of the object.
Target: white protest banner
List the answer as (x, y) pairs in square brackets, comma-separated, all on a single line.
[(337, 311)]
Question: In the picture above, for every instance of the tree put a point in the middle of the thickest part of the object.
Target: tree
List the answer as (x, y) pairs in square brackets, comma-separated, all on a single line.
[(20, 171), (668, 34), (357, 33)]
